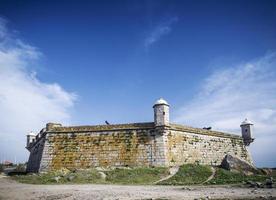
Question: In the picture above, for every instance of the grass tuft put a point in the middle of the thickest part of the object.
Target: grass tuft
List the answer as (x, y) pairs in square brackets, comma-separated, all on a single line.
[(82, 176), (137, 175), (223, 176), (140, 176), (189, 174)]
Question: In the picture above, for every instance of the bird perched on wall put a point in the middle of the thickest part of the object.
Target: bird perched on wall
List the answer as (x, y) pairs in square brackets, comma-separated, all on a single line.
[(107, 123), (207, 128)]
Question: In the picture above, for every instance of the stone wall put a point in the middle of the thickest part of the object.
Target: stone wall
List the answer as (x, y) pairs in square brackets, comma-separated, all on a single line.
[(140, 144), (209, 149), (36, 155), (129, 147)]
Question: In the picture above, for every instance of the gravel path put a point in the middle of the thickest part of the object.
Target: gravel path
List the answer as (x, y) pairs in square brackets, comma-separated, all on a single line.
[(10, 189), (173, 171), (212, 175)]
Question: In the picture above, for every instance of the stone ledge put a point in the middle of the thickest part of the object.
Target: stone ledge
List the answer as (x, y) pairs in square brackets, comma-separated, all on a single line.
[(113, 127)]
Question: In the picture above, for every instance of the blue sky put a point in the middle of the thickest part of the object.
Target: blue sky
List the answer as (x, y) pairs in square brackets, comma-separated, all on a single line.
[(84, 62)]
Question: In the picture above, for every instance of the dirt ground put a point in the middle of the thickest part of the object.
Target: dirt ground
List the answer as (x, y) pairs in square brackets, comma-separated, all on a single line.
[(10, 189)]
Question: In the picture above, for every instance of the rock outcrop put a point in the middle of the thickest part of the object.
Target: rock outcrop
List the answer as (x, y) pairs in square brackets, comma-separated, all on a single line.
[(234, 163)]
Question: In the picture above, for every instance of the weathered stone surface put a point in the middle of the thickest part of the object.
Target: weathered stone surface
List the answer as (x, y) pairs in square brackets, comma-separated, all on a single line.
[(189, 147), (234, 163), (140, 144), (158, 143)]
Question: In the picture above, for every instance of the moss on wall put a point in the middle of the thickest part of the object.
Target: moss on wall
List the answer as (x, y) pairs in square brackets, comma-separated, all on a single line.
[(184, 147), (132, 145), (82, 150)]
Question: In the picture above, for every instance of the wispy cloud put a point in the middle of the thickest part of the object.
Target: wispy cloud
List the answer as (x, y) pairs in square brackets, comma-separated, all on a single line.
[(232, 94), (159, 31), (26, 103)]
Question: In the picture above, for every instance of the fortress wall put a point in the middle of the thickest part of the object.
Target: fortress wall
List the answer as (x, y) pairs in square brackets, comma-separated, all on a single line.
[(184, 147), (35, 156), (137, 145), (158, 143), (103, 148)]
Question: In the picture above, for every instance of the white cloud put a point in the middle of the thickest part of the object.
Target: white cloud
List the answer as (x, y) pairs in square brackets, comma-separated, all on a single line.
[(26, 103), (229, 95), (162, 29)]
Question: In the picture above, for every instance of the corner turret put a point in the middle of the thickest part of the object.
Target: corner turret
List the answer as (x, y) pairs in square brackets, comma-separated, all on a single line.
[(161, 113), (30, 139), (246, 129)]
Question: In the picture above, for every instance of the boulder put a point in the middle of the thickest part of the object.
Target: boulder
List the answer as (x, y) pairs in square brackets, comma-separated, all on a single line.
[(103, 175), (266, 171), (269, 182), (234, 163), (254, 184), (56, 178), (71, 178)]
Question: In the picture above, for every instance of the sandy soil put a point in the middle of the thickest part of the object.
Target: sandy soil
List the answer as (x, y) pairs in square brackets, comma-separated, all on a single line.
[(10, 189)]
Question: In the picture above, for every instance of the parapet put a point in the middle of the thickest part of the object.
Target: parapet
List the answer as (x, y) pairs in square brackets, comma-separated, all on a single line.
[(131, 126), (58, 128), (203, 131)]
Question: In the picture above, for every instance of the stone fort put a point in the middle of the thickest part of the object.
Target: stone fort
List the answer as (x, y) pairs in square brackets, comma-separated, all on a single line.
[(158, 143)]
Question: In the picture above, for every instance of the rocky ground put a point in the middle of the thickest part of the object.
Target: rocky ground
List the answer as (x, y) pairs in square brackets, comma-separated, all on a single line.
[(10, 189)]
